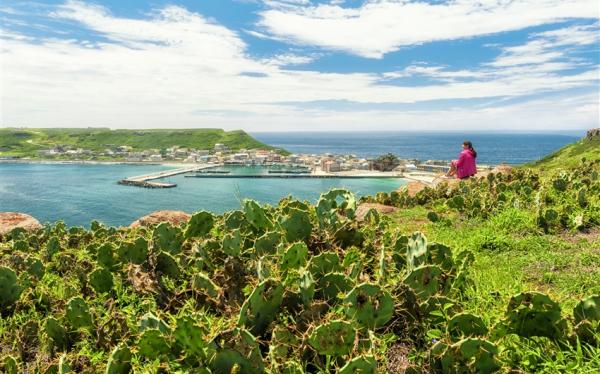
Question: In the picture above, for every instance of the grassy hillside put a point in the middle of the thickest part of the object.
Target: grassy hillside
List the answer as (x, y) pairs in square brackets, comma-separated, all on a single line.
[(26, 142), (570, 156)]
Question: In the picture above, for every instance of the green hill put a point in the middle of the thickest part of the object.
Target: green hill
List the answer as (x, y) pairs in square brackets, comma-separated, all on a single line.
[(26, 142), (569, 157)]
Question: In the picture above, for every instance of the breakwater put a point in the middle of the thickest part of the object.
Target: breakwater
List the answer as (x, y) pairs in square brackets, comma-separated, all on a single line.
[(297, 176), (147, 180)]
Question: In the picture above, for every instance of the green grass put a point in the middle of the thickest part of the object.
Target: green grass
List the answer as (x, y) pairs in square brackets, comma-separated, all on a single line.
[(27, 142), (569, 156)]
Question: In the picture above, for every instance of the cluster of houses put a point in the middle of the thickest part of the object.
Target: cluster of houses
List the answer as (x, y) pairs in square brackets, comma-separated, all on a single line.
[(222, 154)]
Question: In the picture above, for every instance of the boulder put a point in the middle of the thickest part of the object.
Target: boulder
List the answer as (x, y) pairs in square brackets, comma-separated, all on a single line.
[(503, 169), (12, 220), (364, 208), (415, 187), (174, 217)]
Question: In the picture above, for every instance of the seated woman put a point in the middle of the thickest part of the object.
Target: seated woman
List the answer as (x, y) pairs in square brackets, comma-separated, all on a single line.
[(465, 166)]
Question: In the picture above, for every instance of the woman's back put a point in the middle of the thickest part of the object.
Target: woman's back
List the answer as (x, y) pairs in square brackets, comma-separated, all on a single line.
[(466, 166)]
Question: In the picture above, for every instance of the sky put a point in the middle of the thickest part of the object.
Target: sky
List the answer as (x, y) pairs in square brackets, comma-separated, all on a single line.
[(302, 65)]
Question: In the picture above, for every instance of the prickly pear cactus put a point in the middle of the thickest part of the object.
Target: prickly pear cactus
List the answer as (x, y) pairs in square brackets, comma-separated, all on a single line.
[(324, 263), (267, 243), (335, 338), (10, 290), (105, 256), (283, 344), (257, 216), (469, 355), (152, 344), (35, 268), (166, 264), (56, 333), (294, 257), (238, 353), (9, 365), (190, 337), (370, 305), (134, 252), (259, 309), (360, 364), (587, 309), (433, 216), (202, 283), (150, 321), (101, 280), (167, 238), (333, 284), (440, 255), (64, 366), (426, 281), (307, 287), (535, 314), (235, 220), (233, 243), (465, 324), (78, 314), (119, 361), (416, 253), (52, 246), (200, 225), (296, 225)]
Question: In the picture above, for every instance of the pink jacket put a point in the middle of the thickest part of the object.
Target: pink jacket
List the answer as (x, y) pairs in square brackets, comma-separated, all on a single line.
[(465, 166)]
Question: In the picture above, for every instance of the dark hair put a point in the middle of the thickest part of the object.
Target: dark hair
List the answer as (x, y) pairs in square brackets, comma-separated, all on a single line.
[(470, 146)]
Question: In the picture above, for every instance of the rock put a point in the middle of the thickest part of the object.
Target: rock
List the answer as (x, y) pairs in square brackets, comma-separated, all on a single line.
[(364, 208), (174, 217), (593, 134), (12, 220), (450, 181), (503, 169), (415, 187)]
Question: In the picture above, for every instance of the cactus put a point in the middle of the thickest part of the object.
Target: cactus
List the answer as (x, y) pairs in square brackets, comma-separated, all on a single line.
[(256, 216), (9, 365), (335, 338), (101, 280), (324, 263), (294, 257), (307, 287), (332, 284), (433, 216), (560, 184), (360, 364), (64, 366), (152, 344), (52, 246), (550, 215), (10, 290), (267, 243), (56, 332), (202, 283), (370, 305), (441, 255), (232, 243), (166, 264), (259, 309), (134, 252), (167, 238), (426, 280), (416, 253), (20, 246), (282, 345), (292, 367), (535, 314), (35, 268), (587, 309), (105, 256), (465, 324), (199, 225), (240, 353), (119, 361), (235, 220), (468, 355), (150, 321), (332, 204), (296, 225), (190, 337), (78, 314)]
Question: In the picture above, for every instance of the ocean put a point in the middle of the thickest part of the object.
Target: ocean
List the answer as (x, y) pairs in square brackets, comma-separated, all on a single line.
[(491, 148), (79, 193)]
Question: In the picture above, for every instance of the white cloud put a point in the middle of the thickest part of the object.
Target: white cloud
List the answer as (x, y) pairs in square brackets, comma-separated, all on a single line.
[(384, 26), (179, 69)]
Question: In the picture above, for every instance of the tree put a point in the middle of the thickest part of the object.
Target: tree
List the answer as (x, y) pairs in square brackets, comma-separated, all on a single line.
[(386, 162)]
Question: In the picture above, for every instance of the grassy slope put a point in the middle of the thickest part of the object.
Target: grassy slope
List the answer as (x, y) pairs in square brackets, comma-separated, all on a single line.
[(26, 142), (513, 255)]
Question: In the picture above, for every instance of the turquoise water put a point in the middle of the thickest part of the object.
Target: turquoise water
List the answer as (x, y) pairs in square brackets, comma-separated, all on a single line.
[(79, 194)]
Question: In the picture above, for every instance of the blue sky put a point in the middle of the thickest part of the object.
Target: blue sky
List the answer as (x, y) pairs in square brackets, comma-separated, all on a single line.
[(267, 65)]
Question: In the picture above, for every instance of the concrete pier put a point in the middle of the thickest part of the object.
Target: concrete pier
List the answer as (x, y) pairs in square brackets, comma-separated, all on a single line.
[(145, 180)]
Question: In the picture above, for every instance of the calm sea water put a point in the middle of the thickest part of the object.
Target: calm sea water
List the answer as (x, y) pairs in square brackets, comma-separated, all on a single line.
[(79, 194), (491, 148)]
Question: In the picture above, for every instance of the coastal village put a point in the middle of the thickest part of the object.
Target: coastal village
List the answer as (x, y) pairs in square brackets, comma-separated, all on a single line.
[(221, 154)]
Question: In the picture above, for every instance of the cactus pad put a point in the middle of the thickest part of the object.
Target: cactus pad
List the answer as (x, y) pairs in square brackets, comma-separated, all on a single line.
[(425, 281), (10, 290), (416, 253), (335, 338), (267, 243), (468, 355), (256, 216), (587, 309), (200, 225), (150, 321), (166, 264), (56, 333), (101, 280), (119, 361), (296, 225), (330, 285), (78, 314), (167, 238), (202, 283), (152, 344), (294, 257), (232, 243), (535, 314), (324, 263), (370, 305), (135, 252), (465, 324), (259, 310), (360, 364)]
